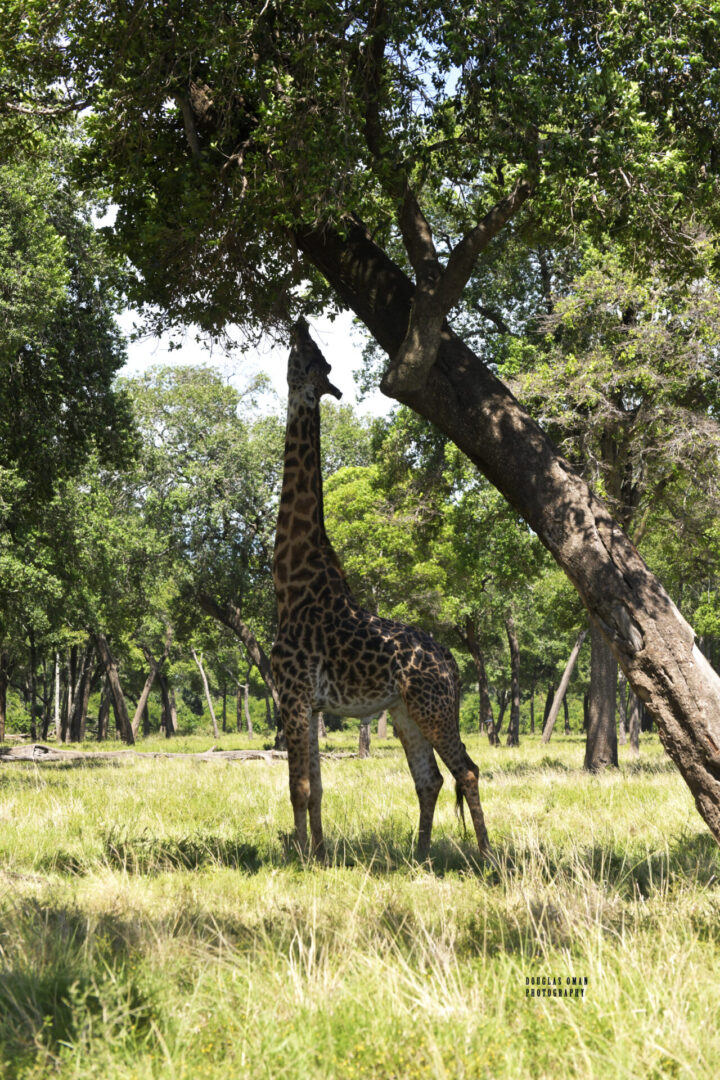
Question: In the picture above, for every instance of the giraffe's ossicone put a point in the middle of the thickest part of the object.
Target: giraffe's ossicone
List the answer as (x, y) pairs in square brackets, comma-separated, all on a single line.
[(331, 655)]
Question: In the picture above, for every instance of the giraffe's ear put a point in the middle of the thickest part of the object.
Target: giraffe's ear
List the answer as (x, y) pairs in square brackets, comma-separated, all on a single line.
[(330, 389)]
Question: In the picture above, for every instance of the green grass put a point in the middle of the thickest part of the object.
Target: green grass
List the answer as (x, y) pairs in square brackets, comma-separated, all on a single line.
[(155, 921)]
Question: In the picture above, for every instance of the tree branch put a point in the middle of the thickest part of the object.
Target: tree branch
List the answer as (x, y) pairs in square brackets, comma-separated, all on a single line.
[(436, 294)]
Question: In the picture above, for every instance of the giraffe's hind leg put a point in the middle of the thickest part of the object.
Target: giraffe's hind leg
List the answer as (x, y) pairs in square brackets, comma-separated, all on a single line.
[(425, 773), (437, 721), (452, 750)]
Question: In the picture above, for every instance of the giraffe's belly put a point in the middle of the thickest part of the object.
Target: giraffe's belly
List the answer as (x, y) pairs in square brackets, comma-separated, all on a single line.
[(357, 697), (358, 709)]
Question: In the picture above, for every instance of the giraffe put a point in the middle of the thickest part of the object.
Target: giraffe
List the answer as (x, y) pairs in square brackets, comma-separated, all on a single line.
[(330, 654)]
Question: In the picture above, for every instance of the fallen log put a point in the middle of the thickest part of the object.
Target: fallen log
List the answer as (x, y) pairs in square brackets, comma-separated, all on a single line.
[(41, 754)]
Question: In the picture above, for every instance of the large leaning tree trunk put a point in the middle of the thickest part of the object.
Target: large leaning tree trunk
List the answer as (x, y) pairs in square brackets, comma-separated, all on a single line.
[(653, 643)]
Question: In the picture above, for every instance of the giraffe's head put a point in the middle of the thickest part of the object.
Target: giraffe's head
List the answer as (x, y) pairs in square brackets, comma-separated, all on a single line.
[(308, 369)]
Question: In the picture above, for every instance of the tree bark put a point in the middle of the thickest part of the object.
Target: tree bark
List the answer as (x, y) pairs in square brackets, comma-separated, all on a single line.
[(206, 686), (382, 725), (567, 715), (322, 730), (653, 643), (601, 744), (117, 696), (562, 688), (513, 736)]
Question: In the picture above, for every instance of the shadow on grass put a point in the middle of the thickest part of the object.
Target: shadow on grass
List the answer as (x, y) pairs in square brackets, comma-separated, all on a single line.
[(64, 973), (693, 859), (146, 854)]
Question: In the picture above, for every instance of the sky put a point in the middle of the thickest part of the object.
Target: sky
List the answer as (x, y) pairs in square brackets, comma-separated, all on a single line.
[(339, 341)]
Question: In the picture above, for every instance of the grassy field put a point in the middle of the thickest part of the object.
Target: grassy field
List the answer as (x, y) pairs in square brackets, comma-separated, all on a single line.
[(156, 922)]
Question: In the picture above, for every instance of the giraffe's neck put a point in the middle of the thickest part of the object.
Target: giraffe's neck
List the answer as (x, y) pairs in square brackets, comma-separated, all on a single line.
[(304, 561)]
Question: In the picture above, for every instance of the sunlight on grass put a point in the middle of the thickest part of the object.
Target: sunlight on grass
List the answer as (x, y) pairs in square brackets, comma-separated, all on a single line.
[(157, 922)]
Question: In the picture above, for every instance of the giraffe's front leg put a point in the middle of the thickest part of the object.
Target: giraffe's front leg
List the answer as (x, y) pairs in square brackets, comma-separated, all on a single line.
[(315, 801), (295, 725)]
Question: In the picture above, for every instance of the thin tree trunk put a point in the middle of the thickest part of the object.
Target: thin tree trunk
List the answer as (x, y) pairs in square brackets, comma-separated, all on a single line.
[(81, 695), (173, 710), (513, 736), (84, 702), (246, 708), (224, 707), (463, 398), (4, 680), (364, 740), (33, 688), (532, 707), (485, 710), (239, 707), (118, 698), (634, 723), (601, 745), (567, 715), (46, 699), (206, 685), (622, 710), (322, 730), (230, 616), (143, 700), (382, 725), (503, 701), (549, 698), (56, 717), (559, 696), (104, 710), (69, 699)]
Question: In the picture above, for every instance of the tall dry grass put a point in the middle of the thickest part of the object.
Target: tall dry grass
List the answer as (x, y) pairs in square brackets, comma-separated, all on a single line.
[(157, 922)]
